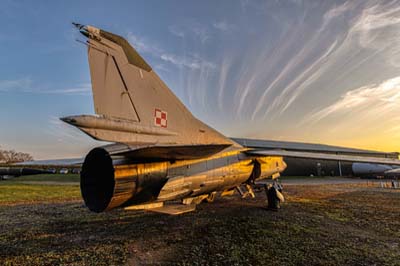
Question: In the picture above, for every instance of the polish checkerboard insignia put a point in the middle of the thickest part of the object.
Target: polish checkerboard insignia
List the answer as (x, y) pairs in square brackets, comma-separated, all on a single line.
[(160, 118)]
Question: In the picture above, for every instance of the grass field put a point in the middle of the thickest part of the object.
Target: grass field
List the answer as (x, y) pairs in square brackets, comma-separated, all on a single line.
[(39, 188), (48, 178), (47, 224)]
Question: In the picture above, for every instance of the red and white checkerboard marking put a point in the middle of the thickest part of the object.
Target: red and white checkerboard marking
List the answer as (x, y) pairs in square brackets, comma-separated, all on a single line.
[(160, 118)]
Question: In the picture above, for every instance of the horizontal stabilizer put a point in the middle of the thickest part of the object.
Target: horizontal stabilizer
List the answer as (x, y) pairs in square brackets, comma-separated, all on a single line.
[(103, 128)]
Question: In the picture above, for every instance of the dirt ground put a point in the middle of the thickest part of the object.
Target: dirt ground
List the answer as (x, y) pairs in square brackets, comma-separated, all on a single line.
[(340, 224)]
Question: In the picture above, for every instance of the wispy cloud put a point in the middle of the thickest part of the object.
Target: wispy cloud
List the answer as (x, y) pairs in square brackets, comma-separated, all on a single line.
[(145, 46), (376, 100), (180, 61), (378, 16), (80, 89), (62, 131), (351, 37), (338, 10), (379, 26), (201, 32), (27, 85), (367, 117), (304, 67), (224, 71), (24, 83), (191, 29), (161, 67), (177, 31), (298, 85), (223, 26)]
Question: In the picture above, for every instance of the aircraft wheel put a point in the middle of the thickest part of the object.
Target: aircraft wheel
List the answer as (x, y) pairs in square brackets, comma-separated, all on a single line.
[(274, 203)]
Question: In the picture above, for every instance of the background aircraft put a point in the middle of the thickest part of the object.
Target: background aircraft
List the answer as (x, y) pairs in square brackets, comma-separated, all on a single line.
[(11, 172)]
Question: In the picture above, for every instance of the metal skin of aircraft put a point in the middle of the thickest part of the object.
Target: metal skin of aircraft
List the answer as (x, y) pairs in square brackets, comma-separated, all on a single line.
[(161, 152)]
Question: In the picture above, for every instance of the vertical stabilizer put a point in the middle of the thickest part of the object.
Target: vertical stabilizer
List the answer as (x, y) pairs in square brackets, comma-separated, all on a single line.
[(125, 88)]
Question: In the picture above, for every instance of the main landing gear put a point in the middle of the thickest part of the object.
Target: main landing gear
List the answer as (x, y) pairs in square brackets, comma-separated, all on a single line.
[(274, 195)]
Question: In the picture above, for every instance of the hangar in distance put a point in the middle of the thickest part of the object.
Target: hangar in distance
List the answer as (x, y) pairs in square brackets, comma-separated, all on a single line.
[(160, 151)]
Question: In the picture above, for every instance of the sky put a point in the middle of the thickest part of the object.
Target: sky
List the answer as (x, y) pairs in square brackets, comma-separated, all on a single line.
[(312, 71)]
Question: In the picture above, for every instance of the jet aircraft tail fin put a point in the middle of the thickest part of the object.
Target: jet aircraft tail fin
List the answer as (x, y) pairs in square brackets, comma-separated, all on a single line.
[(134, 104)]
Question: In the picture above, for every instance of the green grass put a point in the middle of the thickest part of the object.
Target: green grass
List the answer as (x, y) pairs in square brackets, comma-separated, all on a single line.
[(47, 178), (15, 192), (318, 225), (39, 188)]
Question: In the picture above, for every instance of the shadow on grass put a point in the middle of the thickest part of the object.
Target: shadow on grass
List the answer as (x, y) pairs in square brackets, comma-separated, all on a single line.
[(229, 231)]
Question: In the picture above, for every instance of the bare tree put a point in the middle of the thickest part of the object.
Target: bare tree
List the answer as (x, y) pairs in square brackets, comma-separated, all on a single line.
[(2, 159), (11, 156)]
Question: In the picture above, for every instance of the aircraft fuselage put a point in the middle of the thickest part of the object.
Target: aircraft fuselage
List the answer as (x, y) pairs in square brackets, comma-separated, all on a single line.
[(107, 182)]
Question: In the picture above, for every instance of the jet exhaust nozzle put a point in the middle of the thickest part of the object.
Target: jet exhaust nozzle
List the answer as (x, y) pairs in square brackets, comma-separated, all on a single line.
[(103, 186)]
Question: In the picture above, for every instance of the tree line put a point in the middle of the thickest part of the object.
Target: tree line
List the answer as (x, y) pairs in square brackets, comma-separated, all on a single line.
[(11, 156)]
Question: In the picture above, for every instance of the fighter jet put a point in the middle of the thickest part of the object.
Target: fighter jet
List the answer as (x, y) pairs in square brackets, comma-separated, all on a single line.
[(160, 153)]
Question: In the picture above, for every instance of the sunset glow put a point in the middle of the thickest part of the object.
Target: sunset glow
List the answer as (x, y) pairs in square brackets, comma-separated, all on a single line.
[(311, 71)]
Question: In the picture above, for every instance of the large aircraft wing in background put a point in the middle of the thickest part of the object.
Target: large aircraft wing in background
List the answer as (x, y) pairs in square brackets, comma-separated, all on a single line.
[(324, 156), (303, 150)]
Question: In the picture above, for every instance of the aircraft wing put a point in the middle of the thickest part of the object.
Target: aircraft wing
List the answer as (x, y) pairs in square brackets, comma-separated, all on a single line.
[(324, 156)]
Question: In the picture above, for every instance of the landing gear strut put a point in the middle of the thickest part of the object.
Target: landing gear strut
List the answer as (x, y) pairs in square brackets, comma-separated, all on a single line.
[(211, 197), (249, 192)]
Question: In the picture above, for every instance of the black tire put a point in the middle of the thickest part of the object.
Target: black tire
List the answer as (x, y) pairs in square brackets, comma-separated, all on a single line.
[(273, 201)]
